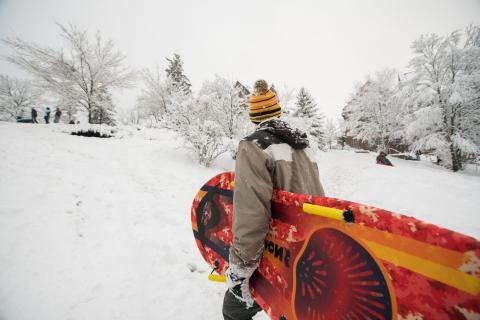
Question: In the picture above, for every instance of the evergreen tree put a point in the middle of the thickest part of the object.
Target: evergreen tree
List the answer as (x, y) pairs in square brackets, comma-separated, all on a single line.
[(179, 81), (307, 110), (306, 105), (104, 109)]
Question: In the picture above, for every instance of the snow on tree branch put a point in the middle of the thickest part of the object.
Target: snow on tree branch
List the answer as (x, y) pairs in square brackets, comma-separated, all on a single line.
[(75, 73)]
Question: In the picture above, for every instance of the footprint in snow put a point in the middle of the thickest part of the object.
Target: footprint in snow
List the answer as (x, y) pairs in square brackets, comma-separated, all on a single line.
[(192, 267)]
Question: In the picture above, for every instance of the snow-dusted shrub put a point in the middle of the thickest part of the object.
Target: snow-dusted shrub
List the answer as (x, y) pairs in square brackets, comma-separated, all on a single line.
[(205, 138), (98, 131), (91, 133)]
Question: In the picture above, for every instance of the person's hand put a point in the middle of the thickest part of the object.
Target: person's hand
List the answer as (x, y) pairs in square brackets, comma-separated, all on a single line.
[(238, 283)]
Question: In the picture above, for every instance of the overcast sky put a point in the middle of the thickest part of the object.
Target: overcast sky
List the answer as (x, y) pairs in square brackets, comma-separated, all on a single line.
[(325, 46)]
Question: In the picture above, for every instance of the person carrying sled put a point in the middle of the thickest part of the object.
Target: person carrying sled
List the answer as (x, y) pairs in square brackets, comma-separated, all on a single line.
[(382, 159), (275, 156), (58, 114), (34, 114)]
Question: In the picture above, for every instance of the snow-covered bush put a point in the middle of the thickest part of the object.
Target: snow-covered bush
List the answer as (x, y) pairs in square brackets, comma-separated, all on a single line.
[(206, 139), (198, 125), (91, 130)]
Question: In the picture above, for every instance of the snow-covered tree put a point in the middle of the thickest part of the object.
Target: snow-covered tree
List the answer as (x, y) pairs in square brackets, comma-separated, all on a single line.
[(75, 73), (225, 105), (374, 113), (179, 81), (331, 133), (69, 108), (286, 96), (154, 99), (309, 114), (214, 121), (16, 97), (445, 116), (129, 116), (162, 94)]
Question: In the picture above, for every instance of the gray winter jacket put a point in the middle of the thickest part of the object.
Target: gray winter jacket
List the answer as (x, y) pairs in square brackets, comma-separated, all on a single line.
[(273, 157)]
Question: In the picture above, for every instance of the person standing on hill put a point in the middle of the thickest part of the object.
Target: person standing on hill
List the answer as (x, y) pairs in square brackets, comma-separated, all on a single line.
[(58, 114), (46, 115), (34, 115), (275, 156)]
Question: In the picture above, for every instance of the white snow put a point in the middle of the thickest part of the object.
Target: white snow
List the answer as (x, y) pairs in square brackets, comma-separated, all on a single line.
[(100, 228)]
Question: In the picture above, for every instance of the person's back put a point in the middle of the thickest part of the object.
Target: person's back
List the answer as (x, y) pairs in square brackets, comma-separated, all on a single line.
[(290, 161), (273, 157)]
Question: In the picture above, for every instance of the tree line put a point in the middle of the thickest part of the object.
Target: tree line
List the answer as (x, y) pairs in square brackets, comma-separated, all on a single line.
[(433, 107), (82, 76)]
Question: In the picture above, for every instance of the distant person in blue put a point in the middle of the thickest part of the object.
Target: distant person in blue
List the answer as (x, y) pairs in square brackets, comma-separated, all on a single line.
[(46, 115), (34, 115), (58, 114)]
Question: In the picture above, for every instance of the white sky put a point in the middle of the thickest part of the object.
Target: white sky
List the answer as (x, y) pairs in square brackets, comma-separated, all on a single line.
[(325, 46)]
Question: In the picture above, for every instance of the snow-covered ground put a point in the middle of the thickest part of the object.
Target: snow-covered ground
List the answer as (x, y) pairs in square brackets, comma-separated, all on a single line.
[(100, 228)]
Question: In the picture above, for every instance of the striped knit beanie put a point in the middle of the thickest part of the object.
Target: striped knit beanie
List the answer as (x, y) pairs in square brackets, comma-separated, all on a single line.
[(263, 103)]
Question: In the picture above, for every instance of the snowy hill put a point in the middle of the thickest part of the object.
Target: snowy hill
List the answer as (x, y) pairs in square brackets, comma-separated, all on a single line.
[(100, 228)]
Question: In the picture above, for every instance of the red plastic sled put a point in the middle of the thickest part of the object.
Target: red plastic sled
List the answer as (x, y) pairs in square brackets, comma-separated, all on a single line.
[(316, 266)]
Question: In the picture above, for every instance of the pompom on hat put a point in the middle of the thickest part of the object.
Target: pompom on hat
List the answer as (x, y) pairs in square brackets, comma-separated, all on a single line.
[(263, 103)]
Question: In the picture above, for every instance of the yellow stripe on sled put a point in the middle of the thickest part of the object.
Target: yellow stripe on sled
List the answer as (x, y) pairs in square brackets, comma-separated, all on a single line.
[(452, 277), (326, 212), (217, 278), (426, 259)]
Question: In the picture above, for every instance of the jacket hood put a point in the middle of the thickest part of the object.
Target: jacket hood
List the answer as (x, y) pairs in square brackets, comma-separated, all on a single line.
[(280, 129)]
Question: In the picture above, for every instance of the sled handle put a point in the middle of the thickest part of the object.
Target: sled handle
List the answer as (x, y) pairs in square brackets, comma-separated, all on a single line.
[(217, 277), (336, 214)]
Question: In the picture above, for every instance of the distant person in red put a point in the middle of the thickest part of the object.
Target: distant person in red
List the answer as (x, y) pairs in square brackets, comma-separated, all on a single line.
[(382, 159)]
